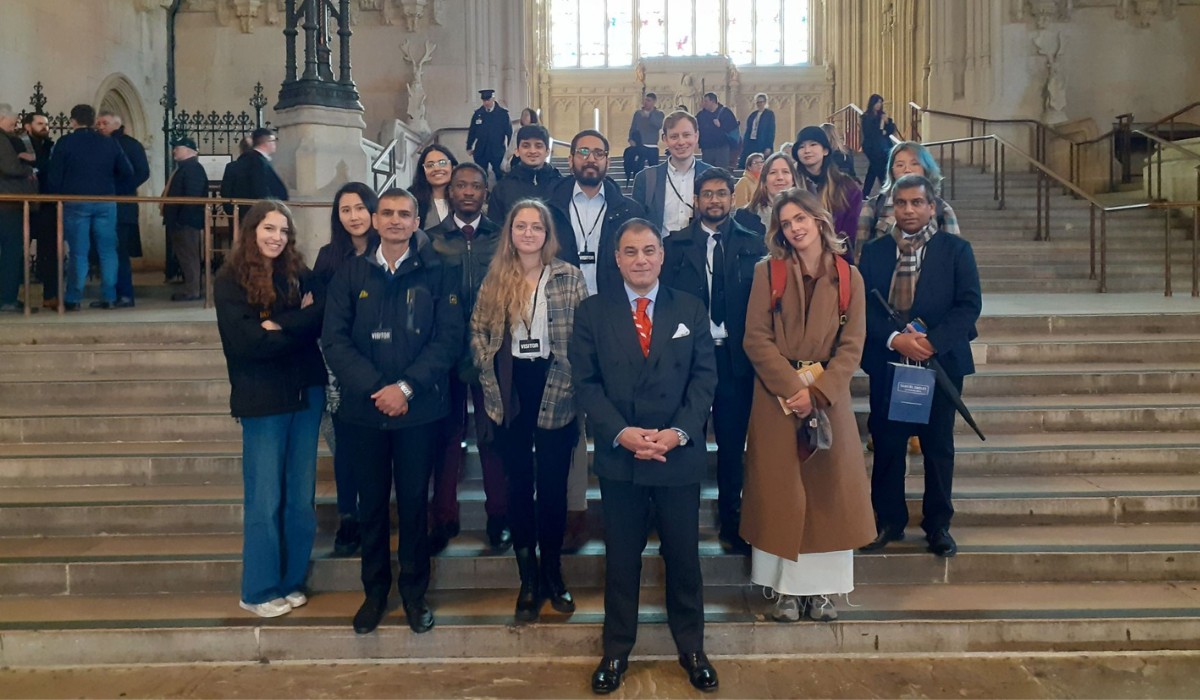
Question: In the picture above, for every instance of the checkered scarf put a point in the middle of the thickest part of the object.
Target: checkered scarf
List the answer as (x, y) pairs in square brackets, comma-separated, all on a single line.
[(908, 266)]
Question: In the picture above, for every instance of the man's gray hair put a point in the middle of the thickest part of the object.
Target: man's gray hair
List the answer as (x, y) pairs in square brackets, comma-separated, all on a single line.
[(111, 115), (6, 110)]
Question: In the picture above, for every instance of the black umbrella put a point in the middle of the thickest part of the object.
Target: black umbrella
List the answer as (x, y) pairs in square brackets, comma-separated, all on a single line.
[(939, 373)]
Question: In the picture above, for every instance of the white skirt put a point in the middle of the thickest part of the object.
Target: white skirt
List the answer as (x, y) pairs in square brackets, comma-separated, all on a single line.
[(823, 573)]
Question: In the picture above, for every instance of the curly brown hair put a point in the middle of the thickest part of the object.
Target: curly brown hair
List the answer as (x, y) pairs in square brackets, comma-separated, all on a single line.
[(253, 271)]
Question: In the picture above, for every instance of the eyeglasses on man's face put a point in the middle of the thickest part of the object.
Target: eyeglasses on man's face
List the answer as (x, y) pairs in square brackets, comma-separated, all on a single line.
[(591, 153)]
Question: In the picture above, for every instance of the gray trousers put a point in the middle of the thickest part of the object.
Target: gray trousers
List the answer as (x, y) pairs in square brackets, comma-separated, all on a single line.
[(185, 243)]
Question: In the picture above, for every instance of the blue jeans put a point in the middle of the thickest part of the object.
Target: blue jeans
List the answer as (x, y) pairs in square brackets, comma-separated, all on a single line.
[(82, 223), (279, 475)]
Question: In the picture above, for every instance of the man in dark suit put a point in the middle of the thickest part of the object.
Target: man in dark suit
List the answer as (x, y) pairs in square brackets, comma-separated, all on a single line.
[(713, 260), (643, 367), (252, 176), (760, 130), (665, 190), (487, 138), (931, 275), (129, 233), (466, 242), (185, 222)]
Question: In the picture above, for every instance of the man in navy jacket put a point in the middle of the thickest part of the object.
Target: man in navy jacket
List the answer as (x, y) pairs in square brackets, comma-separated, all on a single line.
[(928, 274)]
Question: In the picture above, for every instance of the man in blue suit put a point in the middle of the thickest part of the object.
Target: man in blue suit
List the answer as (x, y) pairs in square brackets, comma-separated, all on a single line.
[(929, 274), (665, 190)]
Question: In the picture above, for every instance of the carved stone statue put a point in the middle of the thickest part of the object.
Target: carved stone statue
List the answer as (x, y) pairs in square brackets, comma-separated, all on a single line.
[(1050, 45), (416, 89), (689, 92)]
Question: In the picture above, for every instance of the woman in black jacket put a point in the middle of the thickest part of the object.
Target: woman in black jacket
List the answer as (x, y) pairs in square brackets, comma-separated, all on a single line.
[(351, 236), (877, 129), (269, 322)]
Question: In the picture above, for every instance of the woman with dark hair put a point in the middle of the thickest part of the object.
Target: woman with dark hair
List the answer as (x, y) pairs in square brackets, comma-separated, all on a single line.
[(520, 331), (877, 129), (269, 321), (839, 195), (351, 235), (806, 504), (843, 157), (431, 185)]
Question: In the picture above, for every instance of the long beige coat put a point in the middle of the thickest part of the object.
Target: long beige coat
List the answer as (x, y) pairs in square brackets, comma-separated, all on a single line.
[(821, 505)]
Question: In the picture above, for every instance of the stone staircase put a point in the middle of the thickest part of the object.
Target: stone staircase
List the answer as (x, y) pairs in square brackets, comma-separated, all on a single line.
[(120, 516)]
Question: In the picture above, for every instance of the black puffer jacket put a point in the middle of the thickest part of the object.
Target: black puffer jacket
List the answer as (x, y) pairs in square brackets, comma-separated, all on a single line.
[(269, 371), (522, 182)]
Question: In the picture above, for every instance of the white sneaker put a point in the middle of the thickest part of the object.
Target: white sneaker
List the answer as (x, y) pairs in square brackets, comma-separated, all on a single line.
[(821, 609), (271, 608), (787, 609), (296, 599)]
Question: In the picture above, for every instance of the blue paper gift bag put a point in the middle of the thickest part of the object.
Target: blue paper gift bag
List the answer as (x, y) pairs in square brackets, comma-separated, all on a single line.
[(912, 394)]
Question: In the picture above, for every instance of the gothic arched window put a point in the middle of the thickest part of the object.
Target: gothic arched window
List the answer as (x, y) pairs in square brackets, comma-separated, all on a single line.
[(615, 33)]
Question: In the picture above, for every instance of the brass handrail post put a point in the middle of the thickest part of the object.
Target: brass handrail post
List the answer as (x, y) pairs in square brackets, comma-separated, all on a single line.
[(1103, 251), (208, 248), (25, 251), (62, 288), (1092, 241), (995, 171), (983, 149), (1167, 230), (1196, 252), (1048, 190), (1003, 176), (1038, 184)]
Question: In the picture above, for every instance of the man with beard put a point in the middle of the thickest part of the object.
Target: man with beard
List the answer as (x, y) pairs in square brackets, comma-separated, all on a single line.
[(588, 210), (129, 235), (713, 260), (466, 241), (43, 220)]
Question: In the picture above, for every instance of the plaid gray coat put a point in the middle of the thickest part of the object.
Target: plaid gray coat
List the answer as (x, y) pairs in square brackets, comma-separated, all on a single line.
[(564, 290)]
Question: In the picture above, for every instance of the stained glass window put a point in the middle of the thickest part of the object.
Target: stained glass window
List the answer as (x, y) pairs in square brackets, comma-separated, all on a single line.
[(613, 33)]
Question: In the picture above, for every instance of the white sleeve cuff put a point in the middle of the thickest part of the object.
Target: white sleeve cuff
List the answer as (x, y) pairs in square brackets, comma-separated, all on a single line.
[(891, 338)]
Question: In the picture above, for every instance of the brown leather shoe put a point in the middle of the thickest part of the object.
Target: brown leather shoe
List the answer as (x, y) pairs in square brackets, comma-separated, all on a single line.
[(50, 304)]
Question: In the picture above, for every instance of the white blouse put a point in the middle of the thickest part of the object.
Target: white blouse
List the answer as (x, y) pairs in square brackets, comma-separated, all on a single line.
[(539, 324)]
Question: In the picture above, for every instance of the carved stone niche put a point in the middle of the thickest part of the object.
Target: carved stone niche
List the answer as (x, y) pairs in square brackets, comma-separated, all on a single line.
[(1042, 12), (1143, 12)]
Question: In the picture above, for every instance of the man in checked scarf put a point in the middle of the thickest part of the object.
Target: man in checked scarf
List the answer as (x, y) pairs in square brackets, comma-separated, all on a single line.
[(930, 275)]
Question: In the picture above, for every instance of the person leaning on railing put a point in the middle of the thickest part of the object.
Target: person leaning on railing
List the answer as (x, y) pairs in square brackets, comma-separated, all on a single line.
[(16, 177)]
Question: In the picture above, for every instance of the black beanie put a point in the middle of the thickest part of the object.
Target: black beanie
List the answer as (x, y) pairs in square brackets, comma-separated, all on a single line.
[(810, 133)]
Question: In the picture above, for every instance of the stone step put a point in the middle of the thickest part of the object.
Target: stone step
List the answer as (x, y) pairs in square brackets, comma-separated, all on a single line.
[(166, 424), (169, 360), (1025, 500), (35, 394), (1065, 349), (191, 564), (922, 619), (90, 330)]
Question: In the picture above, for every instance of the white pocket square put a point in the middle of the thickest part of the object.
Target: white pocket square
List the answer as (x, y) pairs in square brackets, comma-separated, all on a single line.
[(681, 332)]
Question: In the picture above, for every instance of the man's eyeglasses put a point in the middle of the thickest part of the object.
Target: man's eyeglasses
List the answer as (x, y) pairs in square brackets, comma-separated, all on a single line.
[(711, 194), (591, 153), (431, 164)]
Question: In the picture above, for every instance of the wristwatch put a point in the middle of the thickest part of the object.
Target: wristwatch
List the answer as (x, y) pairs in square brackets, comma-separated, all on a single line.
[(408, 392), (683, 438)]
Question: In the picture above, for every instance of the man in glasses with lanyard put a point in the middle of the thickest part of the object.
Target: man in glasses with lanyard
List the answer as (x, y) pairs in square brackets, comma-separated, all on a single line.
[(713, 260), (665, 190), (588, 210)]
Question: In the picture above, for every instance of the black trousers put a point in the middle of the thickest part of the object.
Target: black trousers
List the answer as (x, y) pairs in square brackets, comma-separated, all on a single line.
[(44, 224), (731, 421), (877, 170), (487, 160), (536, 520), (891, 450), (381, 458), (626, 526)]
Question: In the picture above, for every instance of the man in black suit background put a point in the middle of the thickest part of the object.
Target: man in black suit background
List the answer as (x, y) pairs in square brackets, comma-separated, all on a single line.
[(713, 260), (644, 371), (931, 275), (252, 176)]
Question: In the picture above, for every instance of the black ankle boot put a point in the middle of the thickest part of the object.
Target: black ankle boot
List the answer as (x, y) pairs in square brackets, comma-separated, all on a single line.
[(553, 586), (529, 600), (348, 538)]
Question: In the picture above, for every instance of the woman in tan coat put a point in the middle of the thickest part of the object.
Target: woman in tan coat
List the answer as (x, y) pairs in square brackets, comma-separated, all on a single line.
[(804, 517)]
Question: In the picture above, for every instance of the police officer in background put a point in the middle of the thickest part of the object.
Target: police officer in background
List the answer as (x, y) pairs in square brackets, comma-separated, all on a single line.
[(490, 132)]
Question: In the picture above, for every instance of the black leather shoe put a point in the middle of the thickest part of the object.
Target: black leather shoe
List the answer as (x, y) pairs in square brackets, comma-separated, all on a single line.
[(733, 543), (499, 536), (440, 536), (607, 676), (942, 544), (70, 306), (369, 615), (102, 305), (124, 303), (554, 588), (885, 536), (700, 672), (181, 296), (420, 617), (348, 539)]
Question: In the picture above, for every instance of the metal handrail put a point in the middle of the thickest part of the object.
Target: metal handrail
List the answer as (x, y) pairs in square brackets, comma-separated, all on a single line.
[(385, 166), (1163, 143), (852, 127), (209, 203)]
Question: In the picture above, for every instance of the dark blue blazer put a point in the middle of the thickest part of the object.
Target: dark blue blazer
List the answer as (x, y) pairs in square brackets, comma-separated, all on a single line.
[(948, 299), (650, 189), (85, 162)]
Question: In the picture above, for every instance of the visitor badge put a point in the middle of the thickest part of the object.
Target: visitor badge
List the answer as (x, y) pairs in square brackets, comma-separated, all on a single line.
[(587, 258), (478, 121), (382, 335), (529, 346)]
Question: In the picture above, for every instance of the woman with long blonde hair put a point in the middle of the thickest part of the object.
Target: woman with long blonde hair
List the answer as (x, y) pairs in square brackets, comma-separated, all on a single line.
[(520, 331), (806, 504)]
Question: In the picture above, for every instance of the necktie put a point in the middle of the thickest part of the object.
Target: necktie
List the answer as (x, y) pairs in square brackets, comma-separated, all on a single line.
[(716, 307), (468, 232), (641, 320)]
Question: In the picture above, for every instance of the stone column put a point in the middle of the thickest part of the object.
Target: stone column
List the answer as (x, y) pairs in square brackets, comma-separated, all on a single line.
[(320, 149)]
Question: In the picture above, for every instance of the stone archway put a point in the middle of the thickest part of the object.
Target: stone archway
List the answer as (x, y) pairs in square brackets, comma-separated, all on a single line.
[(117, 95)]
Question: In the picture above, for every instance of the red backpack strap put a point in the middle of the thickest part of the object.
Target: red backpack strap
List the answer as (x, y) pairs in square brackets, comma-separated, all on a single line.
[(777, 274), (843, 271)]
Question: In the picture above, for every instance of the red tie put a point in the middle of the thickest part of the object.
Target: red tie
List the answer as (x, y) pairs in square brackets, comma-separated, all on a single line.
[(641, 320), (468, 232)]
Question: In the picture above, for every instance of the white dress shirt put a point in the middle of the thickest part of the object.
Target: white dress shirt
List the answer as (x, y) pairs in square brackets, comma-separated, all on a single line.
[(539, 323), (718, 331), (587, 214), (388, 266), (678, 197)]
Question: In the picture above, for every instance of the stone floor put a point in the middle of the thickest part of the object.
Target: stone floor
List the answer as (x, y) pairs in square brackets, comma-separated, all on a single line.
[(1138, 675)]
